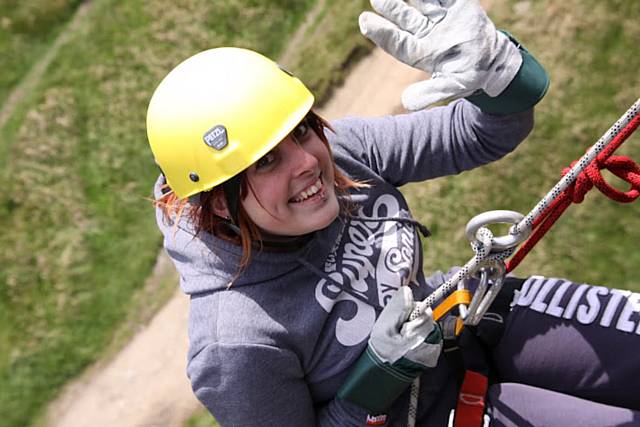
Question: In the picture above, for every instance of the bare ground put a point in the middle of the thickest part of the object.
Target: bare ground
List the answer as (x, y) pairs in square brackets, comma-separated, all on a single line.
[(145, 383)]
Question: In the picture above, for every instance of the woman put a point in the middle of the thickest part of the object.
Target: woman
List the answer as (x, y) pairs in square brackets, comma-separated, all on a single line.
[(290, 235)]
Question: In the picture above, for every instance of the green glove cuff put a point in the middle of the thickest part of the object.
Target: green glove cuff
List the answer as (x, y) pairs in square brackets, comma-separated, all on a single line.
[(374, 385), (526, 89)]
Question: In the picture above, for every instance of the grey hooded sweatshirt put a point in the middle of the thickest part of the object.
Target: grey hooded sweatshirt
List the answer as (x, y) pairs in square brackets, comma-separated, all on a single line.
[(273, 348)]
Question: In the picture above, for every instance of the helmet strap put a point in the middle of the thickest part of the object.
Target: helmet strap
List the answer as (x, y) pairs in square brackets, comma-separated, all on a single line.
[(231, 190)]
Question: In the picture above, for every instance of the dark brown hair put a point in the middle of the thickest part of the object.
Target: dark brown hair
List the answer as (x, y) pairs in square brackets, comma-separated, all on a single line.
[(204, 218)]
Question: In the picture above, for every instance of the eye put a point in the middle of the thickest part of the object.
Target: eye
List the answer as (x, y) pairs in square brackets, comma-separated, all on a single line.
[(266, 160), (301, 132)]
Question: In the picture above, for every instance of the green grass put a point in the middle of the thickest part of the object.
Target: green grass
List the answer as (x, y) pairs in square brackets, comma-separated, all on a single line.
[(586, 47), (202, 418), (27, 29), (78, 237)]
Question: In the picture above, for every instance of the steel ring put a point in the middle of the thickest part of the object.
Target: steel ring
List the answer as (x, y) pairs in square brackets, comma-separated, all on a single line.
[(497, 217)]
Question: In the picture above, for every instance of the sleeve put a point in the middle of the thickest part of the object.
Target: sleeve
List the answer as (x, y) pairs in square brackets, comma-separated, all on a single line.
[(431, 143), (245, 385)]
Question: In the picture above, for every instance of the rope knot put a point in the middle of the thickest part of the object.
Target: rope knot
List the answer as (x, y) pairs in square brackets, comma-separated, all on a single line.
[(580, 186), (621, 166)]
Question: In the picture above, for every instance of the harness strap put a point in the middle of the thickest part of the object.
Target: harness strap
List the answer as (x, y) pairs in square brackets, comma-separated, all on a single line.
[(471, 400)]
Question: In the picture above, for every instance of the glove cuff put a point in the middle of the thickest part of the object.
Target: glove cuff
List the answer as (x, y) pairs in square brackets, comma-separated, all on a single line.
[(374, 384), (526, 89)]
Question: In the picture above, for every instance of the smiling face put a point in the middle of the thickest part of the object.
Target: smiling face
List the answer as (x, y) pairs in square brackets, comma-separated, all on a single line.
[(292, 189)]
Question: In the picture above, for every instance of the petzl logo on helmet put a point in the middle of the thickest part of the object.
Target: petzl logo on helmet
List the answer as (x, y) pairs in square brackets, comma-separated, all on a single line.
[(216, 137)]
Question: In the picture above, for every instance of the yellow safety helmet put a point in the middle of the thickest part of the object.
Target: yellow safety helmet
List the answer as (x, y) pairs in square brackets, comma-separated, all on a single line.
[(217, 113)]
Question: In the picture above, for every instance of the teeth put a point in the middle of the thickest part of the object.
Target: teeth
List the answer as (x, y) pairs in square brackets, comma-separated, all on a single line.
[(315, 187)]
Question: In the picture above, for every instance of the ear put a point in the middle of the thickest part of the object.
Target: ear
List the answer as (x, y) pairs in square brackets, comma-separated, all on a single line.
[(220, 206)]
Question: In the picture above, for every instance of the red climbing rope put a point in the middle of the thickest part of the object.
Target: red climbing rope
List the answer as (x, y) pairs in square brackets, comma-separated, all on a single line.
[(621, 166)]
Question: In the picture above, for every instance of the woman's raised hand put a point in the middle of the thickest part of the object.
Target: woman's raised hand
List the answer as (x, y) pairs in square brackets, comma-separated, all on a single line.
[(452, 40)]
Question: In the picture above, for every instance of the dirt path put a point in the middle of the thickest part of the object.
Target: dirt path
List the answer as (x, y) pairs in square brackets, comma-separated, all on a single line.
[(145, 384), (300, 34)]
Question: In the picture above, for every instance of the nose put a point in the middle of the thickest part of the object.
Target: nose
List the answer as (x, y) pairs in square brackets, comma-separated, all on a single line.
[(299, 159)]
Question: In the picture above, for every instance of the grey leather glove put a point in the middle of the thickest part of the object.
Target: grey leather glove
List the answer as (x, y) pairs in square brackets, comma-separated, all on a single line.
[(452, 40), (394, 336), (399, 350)]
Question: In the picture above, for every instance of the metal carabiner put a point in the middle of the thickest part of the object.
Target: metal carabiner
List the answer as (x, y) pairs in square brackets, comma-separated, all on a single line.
[(491, 280), (478, 295), (497, 217)]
